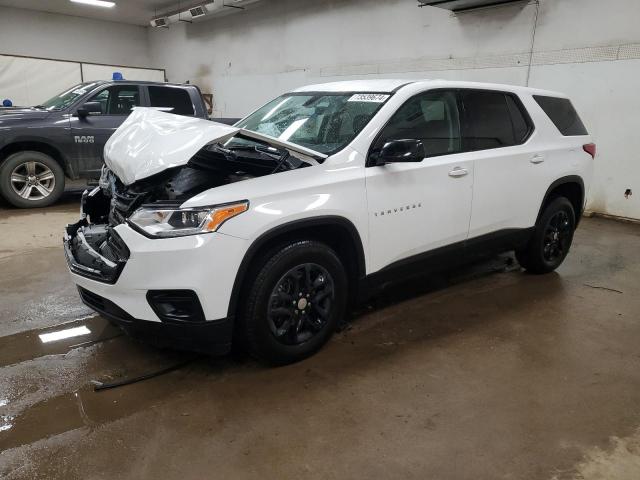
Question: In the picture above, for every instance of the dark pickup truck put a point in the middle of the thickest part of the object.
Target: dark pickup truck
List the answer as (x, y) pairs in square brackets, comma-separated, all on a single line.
[(64, 137)]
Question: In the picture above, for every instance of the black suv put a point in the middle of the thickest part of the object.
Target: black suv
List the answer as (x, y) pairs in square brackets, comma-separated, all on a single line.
[(65, 136)]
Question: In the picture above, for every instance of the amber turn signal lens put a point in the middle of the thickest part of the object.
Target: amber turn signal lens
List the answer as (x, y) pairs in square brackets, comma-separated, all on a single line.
[(221, 214)]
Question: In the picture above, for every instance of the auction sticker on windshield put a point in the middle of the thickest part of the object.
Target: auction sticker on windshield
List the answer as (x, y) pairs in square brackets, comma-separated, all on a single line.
[(368, 97)]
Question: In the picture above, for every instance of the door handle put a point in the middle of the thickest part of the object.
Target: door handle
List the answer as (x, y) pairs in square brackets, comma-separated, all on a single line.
[(458, 172), (537, 158)]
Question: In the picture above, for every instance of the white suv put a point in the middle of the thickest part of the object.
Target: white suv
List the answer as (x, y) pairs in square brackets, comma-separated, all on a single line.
[(265, 232)]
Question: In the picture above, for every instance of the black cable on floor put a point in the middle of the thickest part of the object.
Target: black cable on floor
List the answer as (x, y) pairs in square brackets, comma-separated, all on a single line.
[(97, 385)]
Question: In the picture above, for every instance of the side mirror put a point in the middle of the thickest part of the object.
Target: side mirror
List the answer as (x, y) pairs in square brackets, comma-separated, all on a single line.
[(404, 150), (89, 108)]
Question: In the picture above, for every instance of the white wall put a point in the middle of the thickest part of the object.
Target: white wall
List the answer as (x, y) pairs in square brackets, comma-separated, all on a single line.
[(48, 35), (30, 81), (247, 58)]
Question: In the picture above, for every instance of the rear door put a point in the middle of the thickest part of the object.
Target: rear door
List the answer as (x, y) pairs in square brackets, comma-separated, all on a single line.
[(89, 134), (509, 173), (418, 207)]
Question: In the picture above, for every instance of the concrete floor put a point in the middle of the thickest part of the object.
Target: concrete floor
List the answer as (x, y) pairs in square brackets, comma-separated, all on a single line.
[(487, 373)]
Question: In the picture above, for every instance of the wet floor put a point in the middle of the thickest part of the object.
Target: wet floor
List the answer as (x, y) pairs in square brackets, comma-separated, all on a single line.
[(486, 373)]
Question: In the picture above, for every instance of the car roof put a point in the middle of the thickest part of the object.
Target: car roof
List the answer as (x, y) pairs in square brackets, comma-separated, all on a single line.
[(393, 85), (377, 85)]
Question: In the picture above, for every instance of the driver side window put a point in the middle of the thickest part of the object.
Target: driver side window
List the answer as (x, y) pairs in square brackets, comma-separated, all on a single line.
[(118, 99), (431, 117)]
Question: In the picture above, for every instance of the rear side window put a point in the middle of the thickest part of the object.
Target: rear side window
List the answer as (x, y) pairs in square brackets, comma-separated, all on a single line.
[(562, 114), (177, 99), (493, 120)]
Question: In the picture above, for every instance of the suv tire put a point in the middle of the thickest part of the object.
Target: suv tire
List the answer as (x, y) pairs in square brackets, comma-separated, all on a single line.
[(31, 179), (295, 302), (551, 240)]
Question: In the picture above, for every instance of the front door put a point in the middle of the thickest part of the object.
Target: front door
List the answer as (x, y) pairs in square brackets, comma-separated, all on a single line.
[(420, 206), (89, 134)]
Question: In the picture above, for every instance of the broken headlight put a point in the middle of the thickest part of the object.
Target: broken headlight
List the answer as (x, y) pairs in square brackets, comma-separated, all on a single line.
[(165, 222)]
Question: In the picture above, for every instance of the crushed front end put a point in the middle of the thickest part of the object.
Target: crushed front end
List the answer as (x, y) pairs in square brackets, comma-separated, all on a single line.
[(155, 289), (160, 270)]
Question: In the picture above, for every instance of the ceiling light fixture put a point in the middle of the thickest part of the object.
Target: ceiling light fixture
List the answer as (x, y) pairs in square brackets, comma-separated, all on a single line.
[(96, 3)]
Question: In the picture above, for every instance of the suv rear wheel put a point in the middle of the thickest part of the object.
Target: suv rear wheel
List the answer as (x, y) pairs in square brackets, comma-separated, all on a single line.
[(552, 238), (31, 179), (295, 302)]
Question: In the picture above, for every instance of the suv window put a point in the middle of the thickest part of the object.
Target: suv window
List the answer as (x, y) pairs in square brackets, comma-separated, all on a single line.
[(493, 120), (562, 114), (431, 117), (118, 99), (522, 125), (177, 99)]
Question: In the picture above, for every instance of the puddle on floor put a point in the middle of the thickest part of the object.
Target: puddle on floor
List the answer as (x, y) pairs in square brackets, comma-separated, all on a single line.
[(58, 339)]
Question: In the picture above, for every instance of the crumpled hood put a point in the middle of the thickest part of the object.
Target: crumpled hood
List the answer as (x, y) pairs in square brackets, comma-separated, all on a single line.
[(151, 141)]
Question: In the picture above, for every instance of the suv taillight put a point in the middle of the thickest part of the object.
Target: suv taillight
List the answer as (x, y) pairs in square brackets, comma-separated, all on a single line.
[(590, 148)]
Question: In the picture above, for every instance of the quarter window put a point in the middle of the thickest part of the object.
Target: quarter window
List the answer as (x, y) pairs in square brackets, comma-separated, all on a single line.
[(118, 99), (562, 114), (431, 117), (175, 100)]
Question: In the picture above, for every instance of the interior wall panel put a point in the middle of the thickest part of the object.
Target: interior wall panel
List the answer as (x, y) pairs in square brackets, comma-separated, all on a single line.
[(105, 72), (30, 81)]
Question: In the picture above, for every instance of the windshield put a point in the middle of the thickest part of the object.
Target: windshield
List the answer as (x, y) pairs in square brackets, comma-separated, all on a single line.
[(324, 122), (66, 98)]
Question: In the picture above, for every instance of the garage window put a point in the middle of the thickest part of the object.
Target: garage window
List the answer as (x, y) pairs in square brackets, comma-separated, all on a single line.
[(562, 114), (176, 99)]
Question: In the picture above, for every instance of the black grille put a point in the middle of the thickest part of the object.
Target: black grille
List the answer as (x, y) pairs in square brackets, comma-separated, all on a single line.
[(123, 204), (104, 306), (114, 248)]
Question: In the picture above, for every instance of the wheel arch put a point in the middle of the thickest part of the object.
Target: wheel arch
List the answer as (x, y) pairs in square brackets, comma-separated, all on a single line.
[(338, 232), (37, 146), (571, 187)]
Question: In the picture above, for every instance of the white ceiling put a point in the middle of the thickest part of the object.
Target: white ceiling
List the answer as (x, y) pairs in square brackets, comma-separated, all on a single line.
[(137, 12)]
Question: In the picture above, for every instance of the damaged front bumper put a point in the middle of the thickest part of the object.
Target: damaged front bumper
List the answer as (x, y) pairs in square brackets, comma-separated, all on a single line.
[(158, 290), (95, 251)]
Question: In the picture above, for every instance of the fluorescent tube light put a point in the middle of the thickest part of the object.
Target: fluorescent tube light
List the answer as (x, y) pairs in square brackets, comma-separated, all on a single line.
[(62, 334), (96, 3)]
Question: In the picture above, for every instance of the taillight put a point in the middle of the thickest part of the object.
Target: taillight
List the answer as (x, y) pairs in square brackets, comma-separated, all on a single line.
[(590, 148)]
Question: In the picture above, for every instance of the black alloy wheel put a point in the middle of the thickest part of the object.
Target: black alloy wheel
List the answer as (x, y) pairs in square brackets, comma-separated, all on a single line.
[(300, 304)]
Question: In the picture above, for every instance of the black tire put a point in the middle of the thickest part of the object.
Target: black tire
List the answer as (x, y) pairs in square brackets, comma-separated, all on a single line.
[(274, 327), (43, 179), (552, 238)]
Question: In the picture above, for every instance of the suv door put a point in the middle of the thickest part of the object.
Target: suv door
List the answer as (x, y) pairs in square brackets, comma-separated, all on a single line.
[(508, 175), (89, 134), (420, 206)]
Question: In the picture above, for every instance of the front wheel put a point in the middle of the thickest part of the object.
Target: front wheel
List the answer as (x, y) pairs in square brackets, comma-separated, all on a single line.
[(552, 238), (295, 302), (31, 179)]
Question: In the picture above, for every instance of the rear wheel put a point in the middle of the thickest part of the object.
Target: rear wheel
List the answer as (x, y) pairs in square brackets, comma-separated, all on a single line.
[(295, 302), (552, 238), (31, 179)]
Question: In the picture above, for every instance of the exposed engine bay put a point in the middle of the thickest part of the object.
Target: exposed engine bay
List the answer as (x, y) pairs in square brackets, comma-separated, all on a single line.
[(93, 246), (212, 166)]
